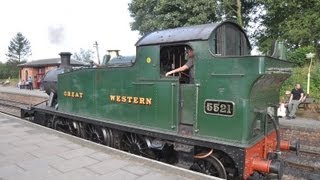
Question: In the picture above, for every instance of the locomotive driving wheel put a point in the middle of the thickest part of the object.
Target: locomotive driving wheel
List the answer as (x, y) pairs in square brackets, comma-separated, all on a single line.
[(210, 165), (99, 135), (74, 128), (135, 144)]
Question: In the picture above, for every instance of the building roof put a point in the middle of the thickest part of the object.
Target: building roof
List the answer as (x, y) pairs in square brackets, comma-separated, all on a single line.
[(51, 62), (181, 34)]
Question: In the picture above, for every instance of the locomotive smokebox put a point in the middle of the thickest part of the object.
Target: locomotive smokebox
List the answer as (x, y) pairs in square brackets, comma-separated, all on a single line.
[(49, 81), (65, 59)]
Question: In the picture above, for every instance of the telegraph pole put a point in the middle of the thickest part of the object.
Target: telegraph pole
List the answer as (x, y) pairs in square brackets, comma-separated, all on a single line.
[(95, 44)]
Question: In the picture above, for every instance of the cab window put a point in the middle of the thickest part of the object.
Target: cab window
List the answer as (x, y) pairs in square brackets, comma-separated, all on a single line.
[(172, 57)]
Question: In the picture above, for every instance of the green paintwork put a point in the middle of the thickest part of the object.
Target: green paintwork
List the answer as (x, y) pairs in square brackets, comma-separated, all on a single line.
[(139, 80), (188, 97), (250, 82)]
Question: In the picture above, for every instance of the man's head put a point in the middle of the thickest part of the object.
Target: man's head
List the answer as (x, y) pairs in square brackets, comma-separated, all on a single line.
[(190, 52), (298, 86)]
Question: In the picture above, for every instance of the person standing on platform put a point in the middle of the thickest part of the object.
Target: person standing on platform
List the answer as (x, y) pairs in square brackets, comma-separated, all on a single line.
[(30, 83), (296, 98)]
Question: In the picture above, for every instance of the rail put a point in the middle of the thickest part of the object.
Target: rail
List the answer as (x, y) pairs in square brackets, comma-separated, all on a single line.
[(12, 107)]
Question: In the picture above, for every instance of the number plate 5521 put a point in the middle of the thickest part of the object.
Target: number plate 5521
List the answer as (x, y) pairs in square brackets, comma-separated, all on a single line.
[(222, 108)]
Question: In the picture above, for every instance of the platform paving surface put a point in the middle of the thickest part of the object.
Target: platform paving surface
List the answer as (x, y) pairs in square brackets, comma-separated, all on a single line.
[(300, 123), (29, 151)]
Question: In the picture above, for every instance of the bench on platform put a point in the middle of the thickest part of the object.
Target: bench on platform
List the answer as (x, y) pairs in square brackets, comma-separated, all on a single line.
[(25, 86), (306, 102)]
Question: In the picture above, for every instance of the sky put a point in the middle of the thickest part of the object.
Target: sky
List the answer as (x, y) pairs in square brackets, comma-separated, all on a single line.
[(53, 26)]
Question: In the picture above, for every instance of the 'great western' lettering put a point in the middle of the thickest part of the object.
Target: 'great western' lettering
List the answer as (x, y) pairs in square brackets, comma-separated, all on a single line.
[(131, 99), (72, 94)]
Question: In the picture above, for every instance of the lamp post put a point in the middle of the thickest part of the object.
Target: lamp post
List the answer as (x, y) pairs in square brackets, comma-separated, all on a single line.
[(309, 56)]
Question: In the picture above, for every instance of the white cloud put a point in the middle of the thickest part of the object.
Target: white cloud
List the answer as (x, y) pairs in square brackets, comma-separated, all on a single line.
[(55, 26)]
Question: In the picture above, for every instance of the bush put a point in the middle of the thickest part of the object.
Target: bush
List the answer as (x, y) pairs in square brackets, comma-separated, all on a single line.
[(298, 56), (9, 70), (300, 75)]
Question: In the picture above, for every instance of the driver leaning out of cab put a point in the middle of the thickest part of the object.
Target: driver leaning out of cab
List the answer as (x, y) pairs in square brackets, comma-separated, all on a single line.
[(186, 66)]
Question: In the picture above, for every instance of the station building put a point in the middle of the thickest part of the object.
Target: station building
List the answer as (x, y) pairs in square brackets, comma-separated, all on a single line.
[(38, 68)]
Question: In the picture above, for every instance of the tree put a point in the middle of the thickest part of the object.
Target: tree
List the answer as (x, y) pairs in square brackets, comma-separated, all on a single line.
[(9, 69), (84, 55), (238, 10), (19, 48), (298, 56), (295, 22), (152, 15)]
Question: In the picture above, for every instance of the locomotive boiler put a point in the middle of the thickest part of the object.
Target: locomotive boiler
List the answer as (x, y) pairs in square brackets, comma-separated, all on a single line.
[(223, 123)]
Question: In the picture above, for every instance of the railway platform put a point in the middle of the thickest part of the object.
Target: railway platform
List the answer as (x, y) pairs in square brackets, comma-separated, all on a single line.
[(30, 151), (299, 123), (15, 90)]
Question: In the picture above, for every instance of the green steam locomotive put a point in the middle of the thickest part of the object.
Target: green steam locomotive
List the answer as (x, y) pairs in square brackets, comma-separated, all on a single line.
[(222, 123)]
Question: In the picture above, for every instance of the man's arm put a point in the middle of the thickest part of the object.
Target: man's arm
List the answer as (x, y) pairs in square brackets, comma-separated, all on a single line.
[(182, 68), (301, 97)]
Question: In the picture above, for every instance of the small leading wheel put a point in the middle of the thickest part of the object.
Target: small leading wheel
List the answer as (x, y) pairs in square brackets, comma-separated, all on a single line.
[(211, 166)]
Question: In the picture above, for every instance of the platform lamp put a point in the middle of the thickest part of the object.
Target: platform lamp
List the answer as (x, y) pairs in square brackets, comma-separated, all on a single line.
[(309, 56)]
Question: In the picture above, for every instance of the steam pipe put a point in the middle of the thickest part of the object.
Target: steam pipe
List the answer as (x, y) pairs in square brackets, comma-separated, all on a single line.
[(203, 155), (274, 120)]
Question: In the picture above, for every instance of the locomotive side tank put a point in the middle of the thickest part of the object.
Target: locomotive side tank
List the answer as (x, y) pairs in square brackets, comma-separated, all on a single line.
[(225, 117)]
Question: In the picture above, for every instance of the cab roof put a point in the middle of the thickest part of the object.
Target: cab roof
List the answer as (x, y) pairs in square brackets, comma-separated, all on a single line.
[(181, 34)]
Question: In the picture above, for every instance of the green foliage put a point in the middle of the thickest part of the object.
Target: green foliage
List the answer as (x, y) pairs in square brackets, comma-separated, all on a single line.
[(18, 49), (315, 81), (295, 22), (9, 69), (84, 55), (238, 10), (300, 75), (298, 56), (151, 15)]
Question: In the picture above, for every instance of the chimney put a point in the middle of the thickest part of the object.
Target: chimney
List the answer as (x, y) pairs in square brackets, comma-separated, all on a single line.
[(65, 59)]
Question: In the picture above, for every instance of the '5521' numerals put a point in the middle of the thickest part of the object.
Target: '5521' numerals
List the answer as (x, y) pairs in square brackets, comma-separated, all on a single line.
[(222, 108)]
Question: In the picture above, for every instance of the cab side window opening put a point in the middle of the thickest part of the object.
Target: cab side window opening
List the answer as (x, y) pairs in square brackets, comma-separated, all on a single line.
[(229, 40), (172, 57)]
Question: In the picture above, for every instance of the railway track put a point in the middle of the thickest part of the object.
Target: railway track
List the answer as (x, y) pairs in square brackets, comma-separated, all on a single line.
[(12, 107), (307, 164), (304, 166)]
